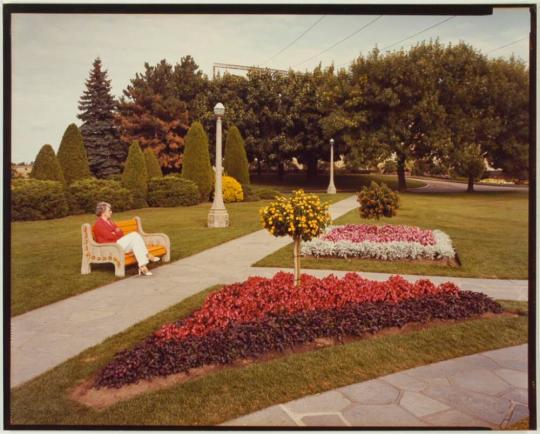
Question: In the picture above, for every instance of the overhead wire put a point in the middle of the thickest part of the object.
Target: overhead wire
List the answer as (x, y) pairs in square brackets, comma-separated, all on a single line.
[(296, 40), (507, 45), (340, 41)]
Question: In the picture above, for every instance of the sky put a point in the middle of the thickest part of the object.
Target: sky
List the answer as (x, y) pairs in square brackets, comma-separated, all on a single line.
[(52, 54)]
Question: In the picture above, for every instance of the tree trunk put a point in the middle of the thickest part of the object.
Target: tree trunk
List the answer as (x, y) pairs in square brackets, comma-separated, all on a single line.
[(312, 167), (402, 185), (281, 170), (470, 185), (297, 261)]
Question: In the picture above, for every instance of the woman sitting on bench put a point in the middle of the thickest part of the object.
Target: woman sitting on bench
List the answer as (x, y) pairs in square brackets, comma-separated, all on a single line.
[(106, 231)]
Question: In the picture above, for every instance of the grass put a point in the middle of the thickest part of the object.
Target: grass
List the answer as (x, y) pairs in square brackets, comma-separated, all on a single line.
[(343, 182), (489, 231), (232, 392), (46, 255)]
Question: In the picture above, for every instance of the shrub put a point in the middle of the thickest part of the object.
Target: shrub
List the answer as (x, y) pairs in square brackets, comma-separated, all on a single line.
[(152, 164), (196, 163), (266, 193), (135, 176), (236, 163), (377, 200), (83, 195), (33, 199), (171, 190), (389, 167), (232, 190), (46, 166), (249, 194), (72, 155)]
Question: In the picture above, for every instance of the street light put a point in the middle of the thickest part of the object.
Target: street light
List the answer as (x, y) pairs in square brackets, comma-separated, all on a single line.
[(331, 187), (218, 216)]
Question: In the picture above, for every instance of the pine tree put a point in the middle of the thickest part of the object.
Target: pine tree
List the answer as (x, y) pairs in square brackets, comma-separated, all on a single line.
[(236, 163), (152, 164), (72, 155), (196, 162), (106, 153), (46, 166), (135, 176)]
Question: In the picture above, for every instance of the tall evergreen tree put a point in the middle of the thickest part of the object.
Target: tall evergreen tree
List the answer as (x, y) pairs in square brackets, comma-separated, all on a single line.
[(46, 166), (72, 155), (236, 163), (106, 153), (196, 164), (152, 164), (135, 175)]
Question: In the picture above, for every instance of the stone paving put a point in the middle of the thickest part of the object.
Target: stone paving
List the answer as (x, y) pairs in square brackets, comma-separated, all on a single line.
[(487, 390), (46, 337)]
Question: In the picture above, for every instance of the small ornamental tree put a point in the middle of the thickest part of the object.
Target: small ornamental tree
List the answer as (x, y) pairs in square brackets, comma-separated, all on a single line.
[(46, 166), (72, 155), (196, 162), (470, 163), (152, 164), (377, 201), (236, 162), (301, 216), (135, 176)]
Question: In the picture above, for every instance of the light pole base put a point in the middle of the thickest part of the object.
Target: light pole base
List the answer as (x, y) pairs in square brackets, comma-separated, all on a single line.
[(218, 218), (331, 189)]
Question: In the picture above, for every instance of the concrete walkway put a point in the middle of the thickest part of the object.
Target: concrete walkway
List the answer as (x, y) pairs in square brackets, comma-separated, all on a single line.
[(45, 337), (482, 390)]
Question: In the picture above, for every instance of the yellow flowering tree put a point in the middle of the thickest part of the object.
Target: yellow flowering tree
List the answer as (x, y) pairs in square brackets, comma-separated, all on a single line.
[(301, 216)]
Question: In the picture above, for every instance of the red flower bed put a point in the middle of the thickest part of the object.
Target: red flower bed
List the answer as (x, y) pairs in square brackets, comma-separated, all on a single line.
[(258, 296), (380, 234)]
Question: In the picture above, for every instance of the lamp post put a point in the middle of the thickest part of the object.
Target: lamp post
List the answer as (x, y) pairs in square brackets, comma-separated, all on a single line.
[(218, 216), (331, 187)]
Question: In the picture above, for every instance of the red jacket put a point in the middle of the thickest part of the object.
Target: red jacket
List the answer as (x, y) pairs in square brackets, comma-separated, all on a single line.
[(106, 231)]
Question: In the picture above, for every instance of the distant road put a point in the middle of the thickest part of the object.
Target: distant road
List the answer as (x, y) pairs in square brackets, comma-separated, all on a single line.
[(441, 186)]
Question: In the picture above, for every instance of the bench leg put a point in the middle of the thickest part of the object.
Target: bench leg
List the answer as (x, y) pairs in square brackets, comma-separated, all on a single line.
[(85, 266), (119, 270)]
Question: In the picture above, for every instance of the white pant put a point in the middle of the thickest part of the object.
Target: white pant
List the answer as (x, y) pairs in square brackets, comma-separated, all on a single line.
[(134, 242)]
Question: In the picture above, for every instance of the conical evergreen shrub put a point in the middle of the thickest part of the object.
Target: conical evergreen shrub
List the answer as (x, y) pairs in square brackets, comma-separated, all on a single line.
[(72, 155), (135, 176), (196, 162), (152, 164), (236, 162), (46, 166)]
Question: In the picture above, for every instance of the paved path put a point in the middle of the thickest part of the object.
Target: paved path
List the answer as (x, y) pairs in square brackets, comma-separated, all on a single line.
[(442, 186), (46, 337), (483, 390)]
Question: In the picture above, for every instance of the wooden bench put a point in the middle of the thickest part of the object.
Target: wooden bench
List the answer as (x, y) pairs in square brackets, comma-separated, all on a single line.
[(99, 253)]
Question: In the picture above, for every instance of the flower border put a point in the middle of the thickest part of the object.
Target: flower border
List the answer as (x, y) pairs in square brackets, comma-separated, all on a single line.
[(394, 250)]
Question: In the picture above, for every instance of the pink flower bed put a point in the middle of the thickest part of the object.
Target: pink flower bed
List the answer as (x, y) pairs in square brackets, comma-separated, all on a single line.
[(380, 234)]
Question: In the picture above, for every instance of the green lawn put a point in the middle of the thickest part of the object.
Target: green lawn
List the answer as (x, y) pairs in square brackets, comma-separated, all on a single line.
[(343, 182), (232, 392), (489, 232), (46, 255)]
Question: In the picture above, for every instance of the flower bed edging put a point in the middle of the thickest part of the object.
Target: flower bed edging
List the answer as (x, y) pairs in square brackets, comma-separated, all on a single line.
[(392, 250)]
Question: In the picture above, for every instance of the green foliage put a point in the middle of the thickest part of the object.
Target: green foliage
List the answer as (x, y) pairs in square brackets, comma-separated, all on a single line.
[(83, 195), (236, 163), (72, 155), (266, 193), (249, 193), (196, 164), (389, 167), (152, 164), (377, 200), (171, 191), (33, 199), (135, 176), (232, 190), (46, 166)]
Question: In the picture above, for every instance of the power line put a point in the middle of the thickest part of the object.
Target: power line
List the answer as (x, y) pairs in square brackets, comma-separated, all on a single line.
[(421, 31), (305, 31), (342, 40), (507, 45)]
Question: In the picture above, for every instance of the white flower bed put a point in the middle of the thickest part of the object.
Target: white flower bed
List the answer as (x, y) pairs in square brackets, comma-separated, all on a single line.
[(442, 249)]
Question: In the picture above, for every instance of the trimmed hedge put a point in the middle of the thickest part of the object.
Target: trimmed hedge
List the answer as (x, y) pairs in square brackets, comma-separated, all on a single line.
[(135, 175), (46, 167), (33, 199), (153, 168), (72, 155), (236, 162), (249, 194), (267, 193), (196, 162), (377, 201), (171, 191), (83, 195)]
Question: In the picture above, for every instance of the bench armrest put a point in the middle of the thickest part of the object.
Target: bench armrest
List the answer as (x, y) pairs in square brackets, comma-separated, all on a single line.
[(156, 239)]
